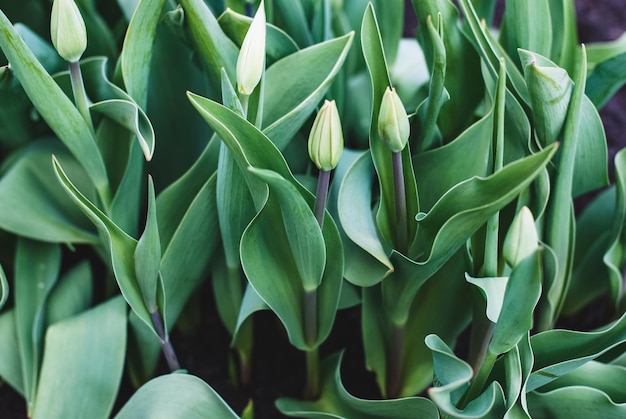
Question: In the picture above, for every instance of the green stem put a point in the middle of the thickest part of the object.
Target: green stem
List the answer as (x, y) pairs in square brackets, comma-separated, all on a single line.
[(312, 389), (166, 345), (400, 197), (321, 196), (480, 379), (395, 361), (80, 95), (310, 335)]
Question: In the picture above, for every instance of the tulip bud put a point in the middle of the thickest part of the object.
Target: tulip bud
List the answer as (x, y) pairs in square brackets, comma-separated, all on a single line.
[(521, 240), (67, 30), (393, 122), (326, 137), (251, 60)]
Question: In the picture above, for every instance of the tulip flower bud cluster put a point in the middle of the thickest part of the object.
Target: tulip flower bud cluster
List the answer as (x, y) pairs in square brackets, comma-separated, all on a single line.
[(67, 30), (326, 137)]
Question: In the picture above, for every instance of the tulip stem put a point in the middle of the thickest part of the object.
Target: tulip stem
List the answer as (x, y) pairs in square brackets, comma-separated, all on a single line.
[(395, 361), (80, 95), (166, 345), (400, 197), (321, 196)]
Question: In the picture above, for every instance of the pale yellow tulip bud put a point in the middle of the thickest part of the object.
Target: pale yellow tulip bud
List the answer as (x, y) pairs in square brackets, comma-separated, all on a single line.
[(67, 30), (393, 122), (251, 60), (326, 137), (521, 240)]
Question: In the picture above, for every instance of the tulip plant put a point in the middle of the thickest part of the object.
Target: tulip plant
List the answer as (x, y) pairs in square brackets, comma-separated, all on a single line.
[(302, 158)]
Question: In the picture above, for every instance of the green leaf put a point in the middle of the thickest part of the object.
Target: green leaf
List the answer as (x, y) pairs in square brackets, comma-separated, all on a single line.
[(291, 16), (83, 363), (10, 356), (374, 54), (452, 376), (120, 246), (355, 215), (518, 364), (605, 80), (615, 257), (215, 48), (522, 293), (306, 75), (604, 377), (37, 266), (565, 39), (176, 395), (557, 352), (493, 289), (55, 108), (4, 288), (336, 402), (137, 49), (278, 43), (148, 254), (71, 295), (575, 403), (600, 52), (529, 26), (274, 251), (33, 204)]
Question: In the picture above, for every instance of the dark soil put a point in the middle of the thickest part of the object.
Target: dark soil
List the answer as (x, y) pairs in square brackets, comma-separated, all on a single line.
[(278, 369)]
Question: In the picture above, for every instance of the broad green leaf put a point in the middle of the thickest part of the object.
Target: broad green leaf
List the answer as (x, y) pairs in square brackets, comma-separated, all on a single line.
[(605, 80), (565, 38), (575, 403), (306, 75), (291, 16), (518, 366), (33, 204), (451, 379), (355, 215), (278, 44), (101, 38), (374, 54), (83, 363), (590, 276), (183, 266), (604, 377), (10, 357), (529, 26), (434, 173), (465, 207), (522, 293), (176, 395), (442, 290), (71, 295), (120, 246), (273, 253), (137, 49), (493, 290), (491, 52), (148, 254), (336, 402), (615, 257), (558, 352), (112, 102), (598, 53), (37, 266), (215, 48), (55, 108), (462, 65)]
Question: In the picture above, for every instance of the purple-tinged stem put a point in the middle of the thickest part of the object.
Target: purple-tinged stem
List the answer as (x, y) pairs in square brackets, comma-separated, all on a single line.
[(166, 345)]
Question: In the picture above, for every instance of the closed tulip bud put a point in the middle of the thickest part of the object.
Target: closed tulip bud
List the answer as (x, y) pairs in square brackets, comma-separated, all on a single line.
[(251, 60), (393, 122), (326, 137), (67, 30), (521, 240)]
